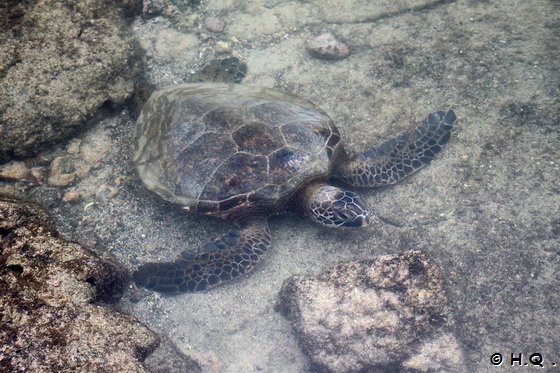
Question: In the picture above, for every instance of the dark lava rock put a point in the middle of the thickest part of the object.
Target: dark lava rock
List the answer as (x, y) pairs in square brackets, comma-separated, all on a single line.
[(152, 8), (385, 314), (60, 62), (226, 70), (50, 318)]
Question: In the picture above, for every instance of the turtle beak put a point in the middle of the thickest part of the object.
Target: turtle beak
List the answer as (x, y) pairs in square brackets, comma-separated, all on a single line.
[(363, 218), (360, 221), (365, 221)]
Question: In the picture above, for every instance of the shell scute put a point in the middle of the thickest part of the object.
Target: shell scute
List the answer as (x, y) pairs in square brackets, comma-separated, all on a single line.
[(286, 161), (306, 135), (190, 171), (223, 118), (239, 174), (258, 138)]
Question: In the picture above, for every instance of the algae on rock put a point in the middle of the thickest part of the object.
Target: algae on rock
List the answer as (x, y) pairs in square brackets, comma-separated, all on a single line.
[(50, 289), (60, 63)]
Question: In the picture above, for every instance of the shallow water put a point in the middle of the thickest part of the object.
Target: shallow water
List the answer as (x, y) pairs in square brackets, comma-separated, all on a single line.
[(486, 210)]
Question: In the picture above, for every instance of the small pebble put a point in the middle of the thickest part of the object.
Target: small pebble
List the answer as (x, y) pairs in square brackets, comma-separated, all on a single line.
[(204, 36), (95, 148), (62, 171), (66, 169), (105, 192), (38, 174), (121, 179), (327, 47), (71, 196), (74, 147), (188, 22), (88, 205), (15, 170), (152, 8), (222, 47), (214, 24)]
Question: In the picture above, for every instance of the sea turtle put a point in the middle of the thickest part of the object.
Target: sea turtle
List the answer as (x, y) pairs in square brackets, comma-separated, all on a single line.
[(243, 154)]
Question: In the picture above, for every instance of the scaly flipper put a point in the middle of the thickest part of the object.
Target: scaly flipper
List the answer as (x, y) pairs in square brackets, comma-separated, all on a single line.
[(400, 156), (224, 259)]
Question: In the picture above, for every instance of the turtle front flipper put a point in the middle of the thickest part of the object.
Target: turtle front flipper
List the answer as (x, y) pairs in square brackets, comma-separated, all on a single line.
[(224, 259), (400, 156)]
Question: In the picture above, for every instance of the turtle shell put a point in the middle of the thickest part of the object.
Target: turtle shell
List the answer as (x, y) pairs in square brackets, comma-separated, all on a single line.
[(223, 149)]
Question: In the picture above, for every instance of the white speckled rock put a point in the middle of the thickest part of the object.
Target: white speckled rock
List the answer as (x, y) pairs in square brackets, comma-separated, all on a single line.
[(326, 46), (371, 314)]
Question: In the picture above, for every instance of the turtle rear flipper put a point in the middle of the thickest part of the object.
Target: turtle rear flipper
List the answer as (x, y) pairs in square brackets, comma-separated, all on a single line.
[(400, 156), (224, 259)]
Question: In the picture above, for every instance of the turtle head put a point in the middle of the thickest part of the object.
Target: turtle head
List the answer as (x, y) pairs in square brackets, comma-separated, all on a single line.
[(334, 207)]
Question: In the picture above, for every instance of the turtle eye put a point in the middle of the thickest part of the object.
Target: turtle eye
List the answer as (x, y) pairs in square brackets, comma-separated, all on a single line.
[(345, 215), (351, 219)]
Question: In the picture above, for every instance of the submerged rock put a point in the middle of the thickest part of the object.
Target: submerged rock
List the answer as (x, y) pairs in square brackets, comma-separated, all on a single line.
[(388, 313), (227, 70), (214, 24), (60, 62), (327, 47), (50, 318), (64, 170), (14, 170)]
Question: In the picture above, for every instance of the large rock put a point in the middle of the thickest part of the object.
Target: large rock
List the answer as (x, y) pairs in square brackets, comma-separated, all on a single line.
[(60, 62), (385, 314), (50, 318)]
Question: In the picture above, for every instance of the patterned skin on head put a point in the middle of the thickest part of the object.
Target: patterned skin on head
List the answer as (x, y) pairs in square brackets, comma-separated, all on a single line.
[(334, 207)]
